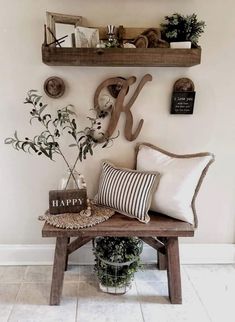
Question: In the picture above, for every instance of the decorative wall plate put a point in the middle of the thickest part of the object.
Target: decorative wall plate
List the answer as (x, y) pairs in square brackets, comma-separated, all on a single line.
[(54, 87), (183, 85)]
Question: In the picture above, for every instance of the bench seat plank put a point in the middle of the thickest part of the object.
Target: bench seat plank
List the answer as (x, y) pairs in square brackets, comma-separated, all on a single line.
[(122, 226)]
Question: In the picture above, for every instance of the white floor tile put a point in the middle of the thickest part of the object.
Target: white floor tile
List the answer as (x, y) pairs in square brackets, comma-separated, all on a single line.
[(33, 304), (37, 274), (215, 286), (12, 274), (94, 305), (155, 303), (8, 293), (208, 295), (86, 273), (151, 273)]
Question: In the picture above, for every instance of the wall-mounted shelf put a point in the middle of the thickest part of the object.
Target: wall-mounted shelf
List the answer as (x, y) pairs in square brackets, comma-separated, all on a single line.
[(74, 56), (159, 57)]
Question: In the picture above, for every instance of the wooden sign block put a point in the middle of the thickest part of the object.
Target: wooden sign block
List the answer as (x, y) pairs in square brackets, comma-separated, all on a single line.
[(182, 102), (63, 201)]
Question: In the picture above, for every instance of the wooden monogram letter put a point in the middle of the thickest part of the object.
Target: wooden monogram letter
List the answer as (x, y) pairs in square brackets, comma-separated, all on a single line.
[(120, 107)]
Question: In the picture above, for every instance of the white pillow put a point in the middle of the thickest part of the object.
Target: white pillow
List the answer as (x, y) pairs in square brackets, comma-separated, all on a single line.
[(181, 178)]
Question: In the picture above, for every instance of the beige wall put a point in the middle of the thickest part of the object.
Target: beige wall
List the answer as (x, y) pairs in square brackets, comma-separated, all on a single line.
[(25, 180)]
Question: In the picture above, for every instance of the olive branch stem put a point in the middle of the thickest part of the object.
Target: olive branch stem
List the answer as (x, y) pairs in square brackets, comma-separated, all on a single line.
[(47, 142)]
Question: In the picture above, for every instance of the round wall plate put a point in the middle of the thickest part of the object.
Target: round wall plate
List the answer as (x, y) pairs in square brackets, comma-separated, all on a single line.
[(184, 85), (54, 87)]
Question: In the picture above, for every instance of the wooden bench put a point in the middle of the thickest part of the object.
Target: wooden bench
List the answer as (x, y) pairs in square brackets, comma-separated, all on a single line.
[(161, 233)]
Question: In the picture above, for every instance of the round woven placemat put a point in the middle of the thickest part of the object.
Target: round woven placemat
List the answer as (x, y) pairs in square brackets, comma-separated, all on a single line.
[(76, 220)]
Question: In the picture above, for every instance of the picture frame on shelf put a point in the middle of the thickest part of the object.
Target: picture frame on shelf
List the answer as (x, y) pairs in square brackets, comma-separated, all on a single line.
[(86, 37), (59, 25)]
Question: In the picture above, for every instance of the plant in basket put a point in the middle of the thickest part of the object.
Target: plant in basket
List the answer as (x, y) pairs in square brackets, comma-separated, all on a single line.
[(116, 261), (48, 144)]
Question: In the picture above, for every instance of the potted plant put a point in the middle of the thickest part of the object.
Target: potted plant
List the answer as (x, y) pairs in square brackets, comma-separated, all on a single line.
[(182, 31), (116, 261)]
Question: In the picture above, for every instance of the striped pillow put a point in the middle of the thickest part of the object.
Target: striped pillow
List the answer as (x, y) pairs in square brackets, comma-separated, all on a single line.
[(127, 191)]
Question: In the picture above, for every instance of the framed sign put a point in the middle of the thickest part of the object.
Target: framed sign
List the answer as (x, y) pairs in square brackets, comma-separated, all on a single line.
[(182, 102), (183, 97), (67, 201)]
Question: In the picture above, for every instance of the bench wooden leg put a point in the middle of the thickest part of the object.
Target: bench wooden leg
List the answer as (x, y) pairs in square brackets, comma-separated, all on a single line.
[(67, 255), (161, 258), (161, 262), (58, 270), (173, 270)]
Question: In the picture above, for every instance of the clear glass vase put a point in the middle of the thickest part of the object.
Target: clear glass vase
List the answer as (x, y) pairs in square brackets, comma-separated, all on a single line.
[(72, 181)]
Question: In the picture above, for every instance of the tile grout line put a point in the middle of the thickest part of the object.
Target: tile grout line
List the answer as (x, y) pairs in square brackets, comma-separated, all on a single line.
[(16, 301), (203, 305), (21, 282), (139, 302), (76, 313)]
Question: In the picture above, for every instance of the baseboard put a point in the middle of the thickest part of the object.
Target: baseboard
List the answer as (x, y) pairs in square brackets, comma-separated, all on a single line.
[(43, 254)]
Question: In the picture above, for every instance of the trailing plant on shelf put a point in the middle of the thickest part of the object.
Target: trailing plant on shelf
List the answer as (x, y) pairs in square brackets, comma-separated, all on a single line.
[(183, 28), (116, 261), (47, 143)]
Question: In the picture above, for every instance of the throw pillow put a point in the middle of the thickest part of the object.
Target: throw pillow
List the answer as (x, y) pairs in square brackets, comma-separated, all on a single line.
[(127, 191), (181, 178)]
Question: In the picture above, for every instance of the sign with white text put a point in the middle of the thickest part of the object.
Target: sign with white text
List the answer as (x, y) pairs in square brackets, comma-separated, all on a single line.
[(67, 201), (182, 102)]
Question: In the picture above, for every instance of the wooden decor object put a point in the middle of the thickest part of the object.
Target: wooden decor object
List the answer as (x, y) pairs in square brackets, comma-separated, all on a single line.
[(183, 96), (120, 107), (114, 90), (141, 42), (53, 18), (54, 87), (67, 201), (161, 57), (161, 233)]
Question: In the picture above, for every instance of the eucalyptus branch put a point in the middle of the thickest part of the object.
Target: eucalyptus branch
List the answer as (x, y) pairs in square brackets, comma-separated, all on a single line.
[(47, 142)]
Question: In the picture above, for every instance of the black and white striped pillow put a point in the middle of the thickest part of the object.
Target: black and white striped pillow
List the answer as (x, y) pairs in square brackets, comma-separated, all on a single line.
[(127, 191)]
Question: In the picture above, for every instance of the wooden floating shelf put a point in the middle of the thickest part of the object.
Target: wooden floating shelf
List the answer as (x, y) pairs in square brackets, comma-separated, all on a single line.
[(140, 57)]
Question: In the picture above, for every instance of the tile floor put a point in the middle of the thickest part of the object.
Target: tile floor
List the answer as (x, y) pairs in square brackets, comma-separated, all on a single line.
[(208, 295)]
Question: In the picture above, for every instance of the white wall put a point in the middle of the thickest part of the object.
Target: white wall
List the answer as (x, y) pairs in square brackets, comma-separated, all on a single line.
[(25, 180)]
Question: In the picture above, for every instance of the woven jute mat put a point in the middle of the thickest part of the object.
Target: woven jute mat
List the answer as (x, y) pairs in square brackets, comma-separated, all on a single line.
[(78, 220)]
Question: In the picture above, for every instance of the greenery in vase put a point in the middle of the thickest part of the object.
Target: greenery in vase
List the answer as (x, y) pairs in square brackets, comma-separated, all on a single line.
[(117, 250), (47, 143), (183, 28)]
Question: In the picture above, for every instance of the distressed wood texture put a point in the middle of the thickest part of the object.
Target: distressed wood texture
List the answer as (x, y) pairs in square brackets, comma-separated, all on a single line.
[(161, 258), (159, 57), (154, 243), (120, 225), (67, 255), (120, 107), (64, 201), (173, 270), (58, 270)]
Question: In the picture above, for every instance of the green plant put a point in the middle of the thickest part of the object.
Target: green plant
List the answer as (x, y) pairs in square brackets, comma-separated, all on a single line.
[(110, 253), (183, 28), (47, 143)]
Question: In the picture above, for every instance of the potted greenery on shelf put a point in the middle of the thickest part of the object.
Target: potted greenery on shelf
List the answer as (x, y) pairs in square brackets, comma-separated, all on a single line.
[(116, 261), (182, 31)]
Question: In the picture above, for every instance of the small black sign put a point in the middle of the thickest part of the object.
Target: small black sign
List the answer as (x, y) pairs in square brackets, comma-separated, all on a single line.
[(182, 102)]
